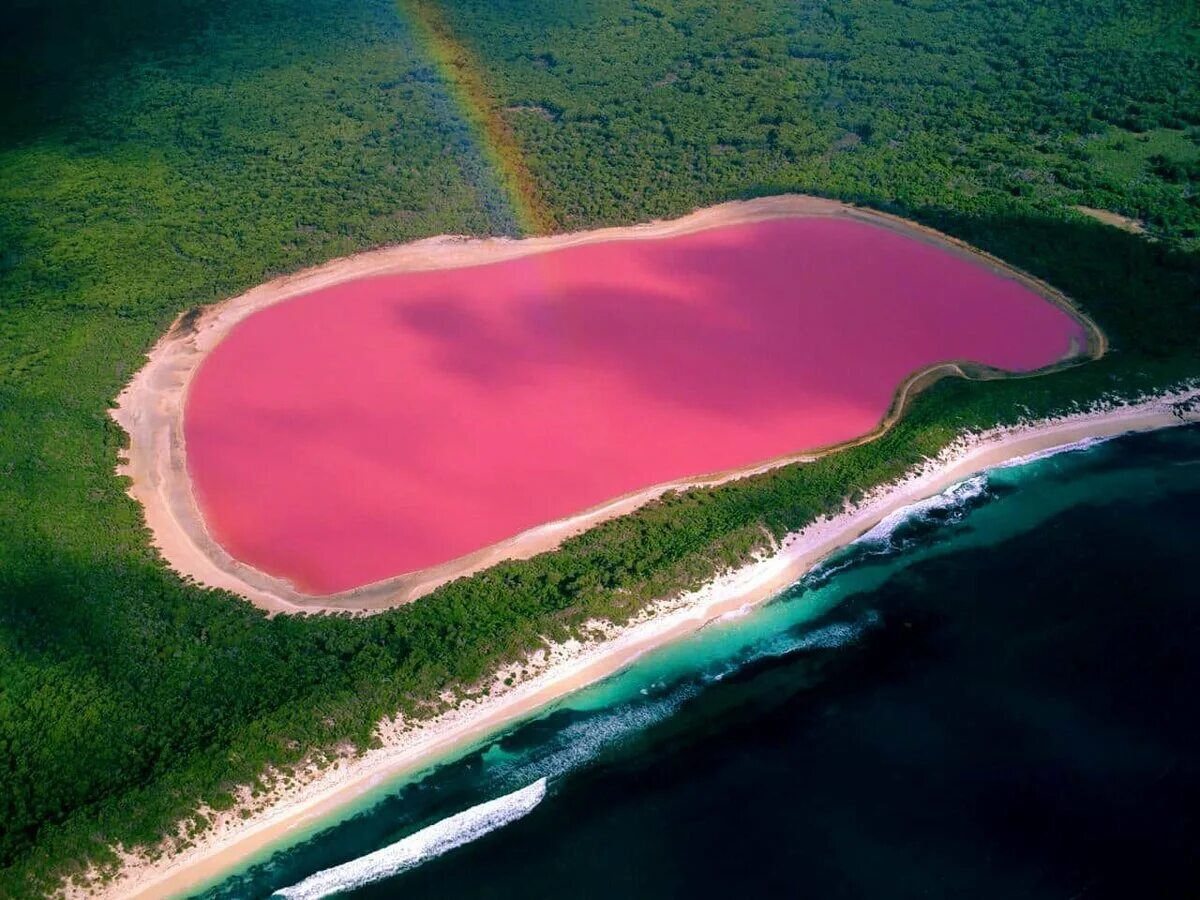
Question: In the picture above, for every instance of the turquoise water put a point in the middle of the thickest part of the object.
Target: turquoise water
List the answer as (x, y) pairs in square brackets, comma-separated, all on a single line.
[(991, 697)]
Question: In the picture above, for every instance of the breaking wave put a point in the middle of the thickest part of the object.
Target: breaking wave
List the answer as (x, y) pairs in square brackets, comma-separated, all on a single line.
[(426, 844), (827, 637), (889, 535), (840, 634), (1076, 447), (957, 498), (946, 508), (740, 613), (581, 742)]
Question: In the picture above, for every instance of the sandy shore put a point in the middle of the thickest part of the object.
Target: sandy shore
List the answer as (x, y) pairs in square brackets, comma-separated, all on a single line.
[(565, 668), (151, 407)]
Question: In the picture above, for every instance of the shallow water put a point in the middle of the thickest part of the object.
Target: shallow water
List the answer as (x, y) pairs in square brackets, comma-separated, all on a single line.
[(991, 698)]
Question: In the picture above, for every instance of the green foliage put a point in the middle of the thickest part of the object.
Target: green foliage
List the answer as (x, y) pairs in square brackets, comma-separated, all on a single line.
[(918, 102), (156, 157)]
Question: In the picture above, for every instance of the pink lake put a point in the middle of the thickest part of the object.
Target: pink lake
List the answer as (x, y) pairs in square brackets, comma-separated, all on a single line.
[(393, 423)]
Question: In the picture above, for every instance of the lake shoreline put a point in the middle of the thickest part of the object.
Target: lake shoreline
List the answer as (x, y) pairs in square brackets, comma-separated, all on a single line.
[(317, 794), (151, 408)]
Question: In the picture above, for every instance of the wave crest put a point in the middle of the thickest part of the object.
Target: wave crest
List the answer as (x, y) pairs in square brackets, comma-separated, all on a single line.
[(958, 496), (424, 845), (1086, 444)]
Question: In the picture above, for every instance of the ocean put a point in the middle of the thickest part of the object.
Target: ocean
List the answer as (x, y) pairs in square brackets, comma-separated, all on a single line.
[(993, 695)]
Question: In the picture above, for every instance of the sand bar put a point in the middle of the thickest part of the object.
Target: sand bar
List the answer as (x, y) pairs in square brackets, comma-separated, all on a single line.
[(233, 840)]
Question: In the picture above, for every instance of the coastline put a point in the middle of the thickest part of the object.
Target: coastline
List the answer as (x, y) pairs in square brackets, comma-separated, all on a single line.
[(151, 407), (316, 794)]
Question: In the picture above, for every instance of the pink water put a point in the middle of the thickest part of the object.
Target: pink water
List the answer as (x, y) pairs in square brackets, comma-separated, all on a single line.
[(392, 423)]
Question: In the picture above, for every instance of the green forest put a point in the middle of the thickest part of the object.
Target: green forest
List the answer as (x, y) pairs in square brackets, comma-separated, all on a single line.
[(158, 157)]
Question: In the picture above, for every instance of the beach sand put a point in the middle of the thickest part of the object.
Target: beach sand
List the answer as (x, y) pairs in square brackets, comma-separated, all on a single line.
[(151, 408), (565, 668)]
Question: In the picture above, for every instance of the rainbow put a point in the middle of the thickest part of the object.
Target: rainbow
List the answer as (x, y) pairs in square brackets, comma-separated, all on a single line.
[(482, 111)]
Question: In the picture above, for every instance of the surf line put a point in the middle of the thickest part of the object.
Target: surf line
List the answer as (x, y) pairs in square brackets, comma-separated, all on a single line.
[(426, 844)]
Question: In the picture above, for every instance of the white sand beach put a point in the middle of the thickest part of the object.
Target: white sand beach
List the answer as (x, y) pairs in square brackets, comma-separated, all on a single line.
[(313, 794)]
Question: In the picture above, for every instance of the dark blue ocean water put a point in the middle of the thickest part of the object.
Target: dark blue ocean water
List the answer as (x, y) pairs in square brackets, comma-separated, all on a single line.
[(996, 697)]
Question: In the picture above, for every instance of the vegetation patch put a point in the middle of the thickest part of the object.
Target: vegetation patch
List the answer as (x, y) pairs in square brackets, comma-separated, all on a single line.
[(159, 157)]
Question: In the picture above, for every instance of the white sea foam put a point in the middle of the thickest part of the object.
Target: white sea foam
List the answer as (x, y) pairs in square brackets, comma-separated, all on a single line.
[(415, 849), (839, 634), (738, 613), (954, 497), (1085, 444), (827, 637), (583, 741)]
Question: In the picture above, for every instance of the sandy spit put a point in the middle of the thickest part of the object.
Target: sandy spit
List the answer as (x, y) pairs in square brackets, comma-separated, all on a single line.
[(151, 407), (562, 669)]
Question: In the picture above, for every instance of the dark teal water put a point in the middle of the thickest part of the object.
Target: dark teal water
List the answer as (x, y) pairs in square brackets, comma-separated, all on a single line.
[(996, 697)]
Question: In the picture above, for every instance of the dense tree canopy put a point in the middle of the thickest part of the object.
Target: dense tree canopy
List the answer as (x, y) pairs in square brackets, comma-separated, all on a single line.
[(158, 156)]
